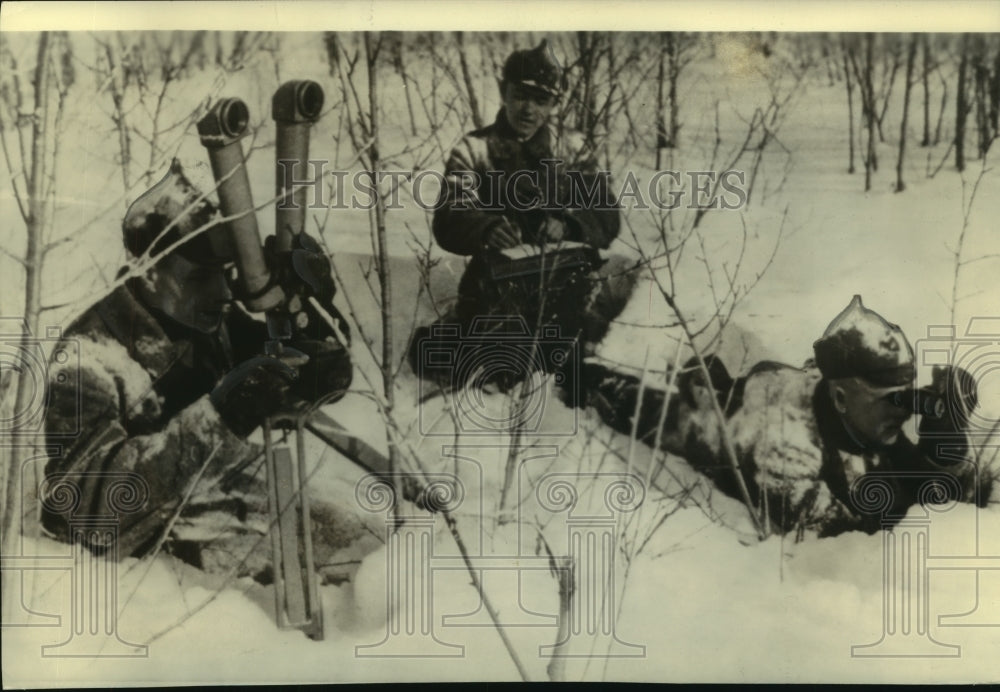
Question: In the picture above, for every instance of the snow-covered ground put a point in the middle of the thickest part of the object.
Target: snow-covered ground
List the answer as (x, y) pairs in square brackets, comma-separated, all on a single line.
[(703, 596)]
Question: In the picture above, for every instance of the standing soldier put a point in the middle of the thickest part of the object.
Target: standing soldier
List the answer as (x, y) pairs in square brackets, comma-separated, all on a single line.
[(520, 188), (804, 437)]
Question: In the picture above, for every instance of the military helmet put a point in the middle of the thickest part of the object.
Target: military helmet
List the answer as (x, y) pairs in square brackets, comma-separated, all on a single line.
[(860, 343), (536, 68), (175, 199)]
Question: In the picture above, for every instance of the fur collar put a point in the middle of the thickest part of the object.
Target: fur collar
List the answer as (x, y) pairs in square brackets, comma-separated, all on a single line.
[(135, 327)]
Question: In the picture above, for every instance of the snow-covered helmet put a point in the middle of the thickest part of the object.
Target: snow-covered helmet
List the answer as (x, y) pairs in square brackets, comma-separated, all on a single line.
[(175, 199), (860, 343)]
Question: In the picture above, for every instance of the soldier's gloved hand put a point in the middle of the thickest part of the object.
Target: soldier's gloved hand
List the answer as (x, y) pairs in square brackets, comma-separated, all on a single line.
[(255, 389), (305, 268), (325, 377), (312, 266), (502, 235)]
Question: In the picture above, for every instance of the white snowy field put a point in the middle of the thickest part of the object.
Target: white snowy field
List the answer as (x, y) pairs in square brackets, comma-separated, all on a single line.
[(706, 600)]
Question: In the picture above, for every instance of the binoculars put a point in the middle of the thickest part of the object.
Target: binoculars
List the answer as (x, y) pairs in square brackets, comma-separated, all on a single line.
[(920, 401)]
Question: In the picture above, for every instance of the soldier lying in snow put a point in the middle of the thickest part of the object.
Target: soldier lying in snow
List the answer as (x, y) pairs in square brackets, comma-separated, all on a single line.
[(171, 379), (804, 437)]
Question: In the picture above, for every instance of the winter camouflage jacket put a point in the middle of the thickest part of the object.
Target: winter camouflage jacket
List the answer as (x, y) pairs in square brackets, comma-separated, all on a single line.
[(797, 459), (140, 402), (492, 175), (481, 186)]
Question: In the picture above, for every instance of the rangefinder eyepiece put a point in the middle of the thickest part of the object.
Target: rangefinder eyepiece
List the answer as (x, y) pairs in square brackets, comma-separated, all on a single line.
[(920, 401), (309, 96), (234, 116), (225, 123), (297, 101)]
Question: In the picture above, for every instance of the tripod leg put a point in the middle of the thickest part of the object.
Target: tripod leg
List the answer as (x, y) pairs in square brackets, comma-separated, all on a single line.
[(290, 596), (272, 512), (314, 607)]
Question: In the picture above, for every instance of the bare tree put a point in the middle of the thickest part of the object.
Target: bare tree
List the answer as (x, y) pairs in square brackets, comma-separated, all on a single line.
[(890, 45), (32, 117), (943, 106), (830, 62), (582, 99), (363, 128), (363, 122), (925, 46), (871, 158), (994, 91), (910, 58), (679, 236), (373, 45), (987, 101), (961, 103), (863, 72), (470, 88), (399, 58), (604, 73), (142, 74), (677, 53), (850, 109)]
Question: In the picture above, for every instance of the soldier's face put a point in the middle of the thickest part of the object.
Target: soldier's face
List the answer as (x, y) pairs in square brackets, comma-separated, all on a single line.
[(192, 294), (526, 109), (869, 412)]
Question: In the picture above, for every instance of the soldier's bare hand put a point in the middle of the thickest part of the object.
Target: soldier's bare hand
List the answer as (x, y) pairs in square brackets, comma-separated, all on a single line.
[(503, 235), (553, 230)]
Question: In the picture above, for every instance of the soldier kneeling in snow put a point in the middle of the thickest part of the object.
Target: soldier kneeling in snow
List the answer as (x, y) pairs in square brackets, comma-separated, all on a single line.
[(526, 202), (804, 437), (171, 382)]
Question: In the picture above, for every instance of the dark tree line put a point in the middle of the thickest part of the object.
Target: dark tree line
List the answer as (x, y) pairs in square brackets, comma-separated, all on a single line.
[(959, 74)]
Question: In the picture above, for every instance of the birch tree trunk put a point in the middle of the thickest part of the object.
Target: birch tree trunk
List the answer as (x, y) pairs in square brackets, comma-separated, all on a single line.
[(850, 114), (961, 105), (40, 189), (477, 117), (910, 58)]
